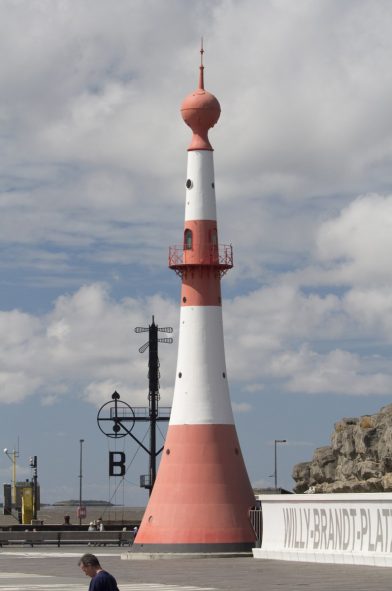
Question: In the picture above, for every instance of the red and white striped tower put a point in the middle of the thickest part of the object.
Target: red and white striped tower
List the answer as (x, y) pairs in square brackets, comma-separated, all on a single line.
[(202, 494)]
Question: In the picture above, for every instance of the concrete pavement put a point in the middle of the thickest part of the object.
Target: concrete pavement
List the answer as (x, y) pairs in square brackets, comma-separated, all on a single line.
[(47, 569)]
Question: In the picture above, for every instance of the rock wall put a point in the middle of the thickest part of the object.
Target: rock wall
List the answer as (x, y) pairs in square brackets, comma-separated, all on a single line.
[(359, 458)]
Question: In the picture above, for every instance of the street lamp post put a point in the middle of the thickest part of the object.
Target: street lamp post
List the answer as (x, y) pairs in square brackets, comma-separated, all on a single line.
[(81, 441), (276, 461)]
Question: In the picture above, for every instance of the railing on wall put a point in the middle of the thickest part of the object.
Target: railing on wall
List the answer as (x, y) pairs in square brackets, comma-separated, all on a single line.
[(219, 256), (256, 519)]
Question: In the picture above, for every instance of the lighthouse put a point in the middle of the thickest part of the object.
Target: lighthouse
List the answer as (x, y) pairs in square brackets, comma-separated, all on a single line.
[(202, 495)]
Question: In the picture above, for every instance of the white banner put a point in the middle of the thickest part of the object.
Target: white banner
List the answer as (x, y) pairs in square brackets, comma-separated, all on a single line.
[(344, 528)]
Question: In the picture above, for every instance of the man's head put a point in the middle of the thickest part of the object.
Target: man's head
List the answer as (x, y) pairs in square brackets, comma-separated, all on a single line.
[(89, 564)]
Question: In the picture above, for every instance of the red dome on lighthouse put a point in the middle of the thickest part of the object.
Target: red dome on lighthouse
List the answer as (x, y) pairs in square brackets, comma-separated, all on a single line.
[(200, 110)]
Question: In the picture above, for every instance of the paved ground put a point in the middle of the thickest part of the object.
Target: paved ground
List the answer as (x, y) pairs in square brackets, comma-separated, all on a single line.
[(48, 569)]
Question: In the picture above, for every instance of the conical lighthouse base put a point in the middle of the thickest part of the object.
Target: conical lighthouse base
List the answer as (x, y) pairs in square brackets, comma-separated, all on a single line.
[(201, 498)]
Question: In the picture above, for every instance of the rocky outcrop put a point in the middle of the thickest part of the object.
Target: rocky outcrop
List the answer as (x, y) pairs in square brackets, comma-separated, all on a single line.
[(359, 458)]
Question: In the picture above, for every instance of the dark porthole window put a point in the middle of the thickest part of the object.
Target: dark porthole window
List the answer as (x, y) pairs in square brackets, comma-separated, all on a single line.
[(188, 239), (189, 184), (180, 375), (213, 185)]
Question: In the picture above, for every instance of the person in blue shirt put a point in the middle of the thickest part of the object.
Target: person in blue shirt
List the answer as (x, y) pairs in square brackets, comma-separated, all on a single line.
[(101, 580)]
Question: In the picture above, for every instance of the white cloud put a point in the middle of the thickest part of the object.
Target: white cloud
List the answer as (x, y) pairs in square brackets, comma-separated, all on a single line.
[(94, 136), (241, 407), (313, 94), (371, 308), (85, 340), (356, 244), (93, 166), (280, 335), (338, 372), (275, 336), (16, 385)]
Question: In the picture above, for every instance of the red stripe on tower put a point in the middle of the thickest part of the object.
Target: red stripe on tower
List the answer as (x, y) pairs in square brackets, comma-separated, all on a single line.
[(202, 495)]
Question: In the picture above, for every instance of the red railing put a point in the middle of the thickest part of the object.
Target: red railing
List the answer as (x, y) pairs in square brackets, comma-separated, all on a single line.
[(218, 256)]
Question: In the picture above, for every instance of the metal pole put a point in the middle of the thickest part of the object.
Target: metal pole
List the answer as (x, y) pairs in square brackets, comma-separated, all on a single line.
[(276, 461), (14, 477), (276, 469), (35, 487), (153, 374), (80, 481)]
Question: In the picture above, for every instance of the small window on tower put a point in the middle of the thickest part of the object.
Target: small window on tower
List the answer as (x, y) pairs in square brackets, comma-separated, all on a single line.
[(214, 237), (189, 184), (188, 239)]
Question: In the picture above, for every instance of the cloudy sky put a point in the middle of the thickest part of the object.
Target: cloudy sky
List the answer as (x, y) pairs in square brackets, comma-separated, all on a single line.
[(93, 168)]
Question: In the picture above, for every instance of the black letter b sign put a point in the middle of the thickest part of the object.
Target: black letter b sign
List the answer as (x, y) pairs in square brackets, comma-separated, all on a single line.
[(116, 467)]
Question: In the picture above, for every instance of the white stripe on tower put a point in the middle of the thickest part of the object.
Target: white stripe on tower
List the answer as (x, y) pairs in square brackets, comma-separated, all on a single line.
[(201, 393), (202, 494), (200, 201)]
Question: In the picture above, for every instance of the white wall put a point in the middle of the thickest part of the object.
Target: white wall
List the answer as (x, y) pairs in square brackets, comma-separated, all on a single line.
[(336, 528)]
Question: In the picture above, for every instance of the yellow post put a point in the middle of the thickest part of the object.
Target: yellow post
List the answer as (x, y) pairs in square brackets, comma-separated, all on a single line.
[(27, 505)]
